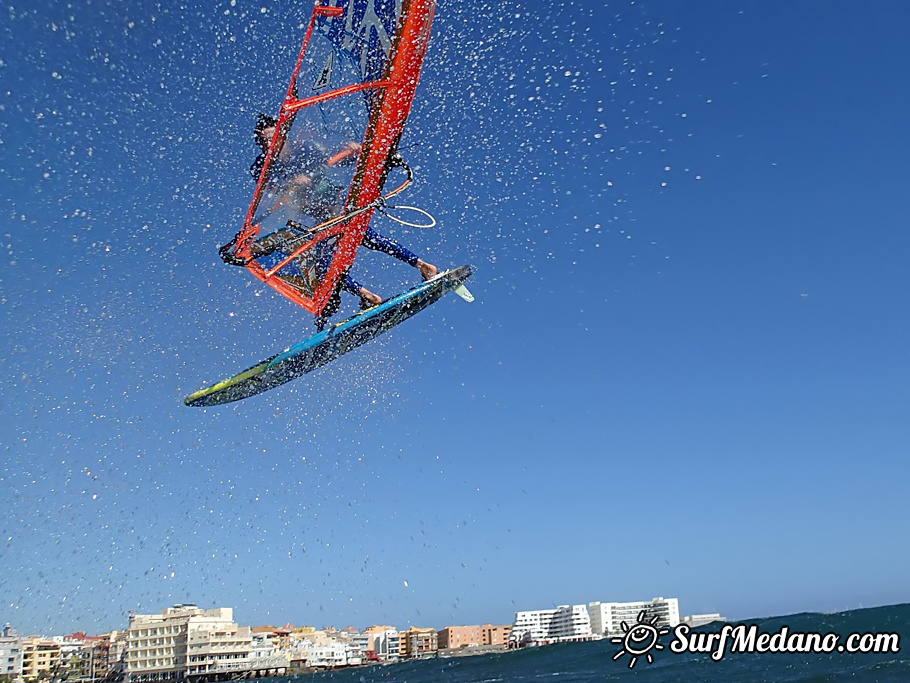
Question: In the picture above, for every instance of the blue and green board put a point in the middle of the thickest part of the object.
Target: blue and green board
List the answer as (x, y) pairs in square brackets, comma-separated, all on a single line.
[(328, 345)]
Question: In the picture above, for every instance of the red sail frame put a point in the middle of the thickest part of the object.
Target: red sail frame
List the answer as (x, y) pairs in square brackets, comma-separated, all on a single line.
[(395, 93)]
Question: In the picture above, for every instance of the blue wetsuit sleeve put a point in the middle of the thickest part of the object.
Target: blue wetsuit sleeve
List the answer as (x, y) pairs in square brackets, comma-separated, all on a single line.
[(373, 240)]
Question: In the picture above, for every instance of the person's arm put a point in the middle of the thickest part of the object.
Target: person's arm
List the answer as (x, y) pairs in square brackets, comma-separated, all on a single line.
[(301, 180), (346, 155)]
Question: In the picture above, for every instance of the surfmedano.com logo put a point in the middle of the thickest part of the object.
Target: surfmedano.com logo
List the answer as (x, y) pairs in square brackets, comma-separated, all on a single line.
[(639, 640), (644, 636)]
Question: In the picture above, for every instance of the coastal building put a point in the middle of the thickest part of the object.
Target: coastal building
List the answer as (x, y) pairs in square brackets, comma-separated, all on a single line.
[(324, 653), (361, 642), (323, 649), (108, 656), (495, 635), (185, 641), (532, 626), (484, 638), (383, 644), (157, 644), (279, 635), (564, 623), (300, 644), (453, 637), (571, 622), (40, 658), (10, 653), (215, 644), (266, 655), (696, 620), (607, 617), (419, 642), (77, 655)]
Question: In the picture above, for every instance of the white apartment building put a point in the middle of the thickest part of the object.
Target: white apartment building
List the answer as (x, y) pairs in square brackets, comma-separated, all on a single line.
[(77, 654), (265, 656), (696, 620), (10, 653), (156, 644), (217, 645), (566, 622), (325, 650), (532, 625), (326, 653), (607, 617), (185, 640), (360, 642), (571, 622)]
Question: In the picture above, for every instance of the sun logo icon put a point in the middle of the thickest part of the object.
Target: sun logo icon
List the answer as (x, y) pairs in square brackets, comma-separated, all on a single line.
[(639, 640)]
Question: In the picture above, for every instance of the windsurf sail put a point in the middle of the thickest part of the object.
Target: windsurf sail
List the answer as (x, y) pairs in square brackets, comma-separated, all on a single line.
[(328, 155)]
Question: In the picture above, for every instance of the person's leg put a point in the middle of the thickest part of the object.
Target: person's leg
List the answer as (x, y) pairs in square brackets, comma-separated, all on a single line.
[(330, 309), (367, 298), (427, 270), (270, 243)]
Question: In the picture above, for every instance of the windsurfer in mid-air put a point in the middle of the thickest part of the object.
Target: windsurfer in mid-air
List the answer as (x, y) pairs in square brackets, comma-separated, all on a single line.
[(301, 174)]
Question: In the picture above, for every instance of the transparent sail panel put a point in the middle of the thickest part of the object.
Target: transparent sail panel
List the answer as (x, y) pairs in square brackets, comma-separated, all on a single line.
[(312, 167), (305, 271)]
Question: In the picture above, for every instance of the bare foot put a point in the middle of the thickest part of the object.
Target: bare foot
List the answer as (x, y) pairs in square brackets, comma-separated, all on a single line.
[(367, 298), (427, 270)]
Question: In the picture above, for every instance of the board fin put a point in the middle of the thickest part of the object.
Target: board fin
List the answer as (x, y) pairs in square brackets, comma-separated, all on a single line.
[(463, 292)]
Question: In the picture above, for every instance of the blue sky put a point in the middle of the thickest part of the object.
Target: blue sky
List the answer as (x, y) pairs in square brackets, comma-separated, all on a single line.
[(685, 373)]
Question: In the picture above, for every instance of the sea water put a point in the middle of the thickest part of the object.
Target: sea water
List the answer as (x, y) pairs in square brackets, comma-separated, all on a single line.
[(595, 661)]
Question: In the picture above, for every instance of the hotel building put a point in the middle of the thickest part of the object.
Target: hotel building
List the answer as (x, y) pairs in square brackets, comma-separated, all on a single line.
[(566, 622), (607, 617), (185, 641)]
